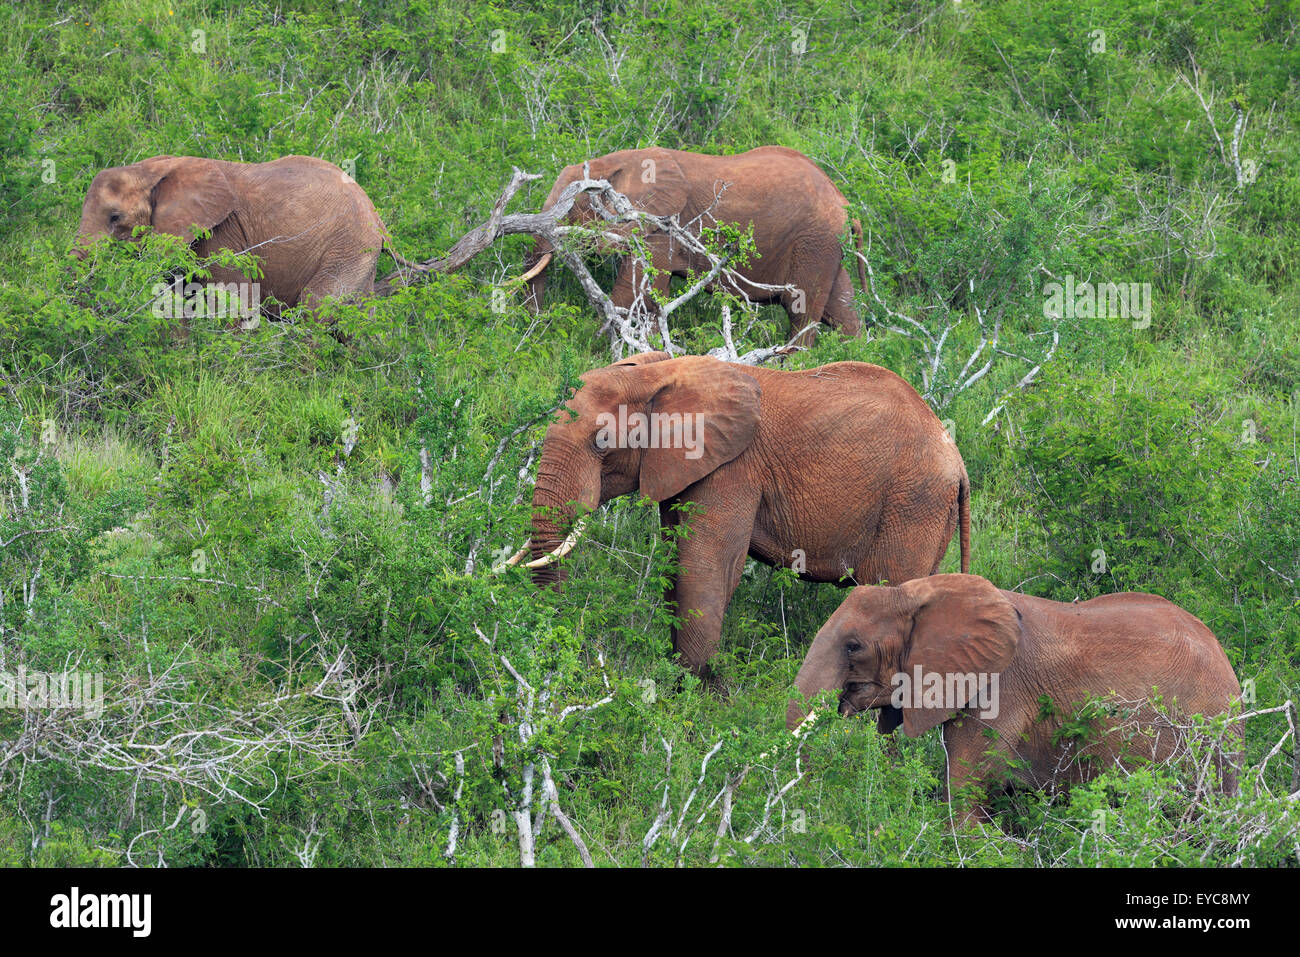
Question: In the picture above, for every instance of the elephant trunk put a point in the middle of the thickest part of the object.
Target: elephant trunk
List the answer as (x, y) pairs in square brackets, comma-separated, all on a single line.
[(546, 538), (562, 483), (821, 671), (86, 236)]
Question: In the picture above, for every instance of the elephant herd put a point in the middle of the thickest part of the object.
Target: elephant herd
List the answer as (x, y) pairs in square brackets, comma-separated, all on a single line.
[(842, 473), (318, 235)]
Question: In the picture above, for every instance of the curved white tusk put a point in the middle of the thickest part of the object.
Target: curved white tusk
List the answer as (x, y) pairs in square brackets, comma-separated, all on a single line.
[(805, 725), (541, 264), (800, 730), (565, 547), (512, 560)]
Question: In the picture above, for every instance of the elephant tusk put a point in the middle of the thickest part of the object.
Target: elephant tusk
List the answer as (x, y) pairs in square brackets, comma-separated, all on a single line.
[(805, 725), (512, 560), (536, 270), (565, 547)]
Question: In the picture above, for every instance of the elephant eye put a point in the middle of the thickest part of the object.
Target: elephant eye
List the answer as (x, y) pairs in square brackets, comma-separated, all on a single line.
[(115, 217), (853, 646)]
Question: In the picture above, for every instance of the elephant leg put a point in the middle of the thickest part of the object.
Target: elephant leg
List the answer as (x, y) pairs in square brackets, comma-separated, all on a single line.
[(625, 282), (980, 763), (966, 786), (803, 333), (661, 284), (841, 311), (250, 289), (631, 274), (805, 309), (710, 561), (348, 279)]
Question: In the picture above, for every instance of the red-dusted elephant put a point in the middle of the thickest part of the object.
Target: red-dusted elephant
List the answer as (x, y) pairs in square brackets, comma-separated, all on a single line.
[(315, 230), (841, 472), (954, 651), (798, 215)]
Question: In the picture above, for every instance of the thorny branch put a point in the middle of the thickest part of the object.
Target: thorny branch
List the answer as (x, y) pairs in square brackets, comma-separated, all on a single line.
[(679, 834), (932, 351), (149, 729), (538, 710)]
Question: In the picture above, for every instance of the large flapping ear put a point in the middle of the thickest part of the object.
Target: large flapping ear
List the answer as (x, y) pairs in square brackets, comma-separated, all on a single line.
[(655, 183), (961, 626), (641, 359), (190, 192), (701, 412)]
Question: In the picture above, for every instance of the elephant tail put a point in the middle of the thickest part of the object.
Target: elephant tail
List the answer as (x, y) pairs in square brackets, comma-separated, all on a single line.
[(862, 271), (397, 278), (963, 521), (403, 261)]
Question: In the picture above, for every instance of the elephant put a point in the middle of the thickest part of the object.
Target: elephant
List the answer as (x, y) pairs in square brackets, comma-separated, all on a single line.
[(315, 230), (1012, 678), (797, 212), (841, 473)]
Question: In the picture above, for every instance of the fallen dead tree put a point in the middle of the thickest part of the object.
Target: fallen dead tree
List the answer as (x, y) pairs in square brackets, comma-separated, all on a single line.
[(641, 327)]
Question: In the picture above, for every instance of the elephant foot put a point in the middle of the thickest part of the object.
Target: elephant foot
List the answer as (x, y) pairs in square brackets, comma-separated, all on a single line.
[(716, 686), (711, 681), (975, 818)]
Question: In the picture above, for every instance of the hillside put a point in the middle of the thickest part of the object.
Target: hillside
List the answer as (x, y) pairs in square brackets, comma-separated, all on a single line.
[(273, 544)]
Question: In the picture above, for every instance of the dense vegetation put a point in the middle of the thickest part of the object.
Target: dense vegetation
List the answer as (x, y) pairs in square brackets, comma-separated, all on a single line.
[(305, 657)]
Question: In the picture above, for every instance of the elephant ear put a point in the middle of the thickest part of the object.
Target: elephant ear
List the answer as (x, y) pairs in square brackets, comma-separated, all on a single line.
[(654, 182), (961, 625), (713, 411), (641, 359), (190, 192)]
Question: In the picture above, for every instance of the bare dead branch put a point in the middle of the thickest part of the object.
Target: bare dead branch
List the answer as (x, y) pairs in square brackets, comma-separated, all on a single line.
[(931, 344), (644, 325)]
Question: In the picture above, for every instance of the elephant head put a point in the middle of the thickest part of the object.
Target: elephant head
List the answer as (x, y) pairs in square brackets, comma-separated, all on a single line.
[(656, 184), (173, 194), (647, 424), (943, 625)]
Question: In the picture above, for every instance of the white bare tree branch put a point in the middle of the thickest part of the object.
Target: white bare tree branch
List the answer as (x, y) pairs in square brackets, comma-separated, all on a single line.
[(536, 711), (933, 359)]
